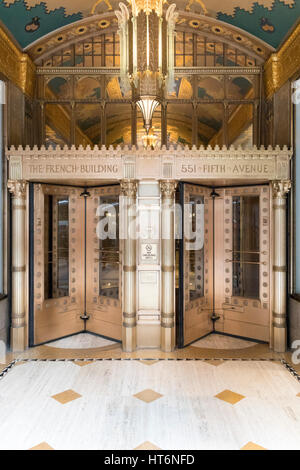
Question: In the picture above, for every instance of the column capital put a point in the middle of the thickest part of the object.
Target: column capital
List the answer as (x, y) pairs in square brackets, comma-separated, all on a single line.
[(281, 188), (17, 188), (128, 188), (168, 189)]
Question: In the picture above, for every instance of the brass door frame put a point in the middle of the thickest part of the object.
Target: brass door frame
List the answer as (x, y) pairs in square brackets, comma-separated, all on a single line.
[(55, 318), (51, 319), (236, 316), (105, 314), (195, 315), (242, 316)]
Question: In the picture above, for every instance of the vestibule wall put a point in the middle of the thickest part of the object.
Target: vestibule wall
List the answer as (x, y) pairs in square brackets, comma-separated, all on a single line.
[(148, 175)]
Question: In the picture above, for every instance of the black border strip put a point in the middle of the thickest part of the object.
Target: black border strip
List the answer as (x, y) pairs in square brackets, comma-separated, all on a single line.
[(284, 363)]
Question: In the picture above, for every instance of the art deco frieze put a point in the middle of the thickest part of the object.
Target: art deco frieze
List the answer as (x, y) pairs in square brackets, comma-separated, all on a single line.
[(160, 164)]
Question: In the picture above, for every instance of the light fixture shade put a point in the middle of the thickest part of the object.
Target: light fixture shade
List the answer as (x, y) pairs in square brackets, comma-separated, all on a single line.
[(149, 140), (147, 105), (147, 35)]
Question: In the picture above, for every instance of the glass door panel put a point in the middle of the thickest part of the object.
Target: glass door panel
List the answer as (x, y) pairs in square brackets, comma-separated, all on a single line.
[(58, 259), (245, 242), (56, 279), (195, 306), (243, 260), (103, 276)]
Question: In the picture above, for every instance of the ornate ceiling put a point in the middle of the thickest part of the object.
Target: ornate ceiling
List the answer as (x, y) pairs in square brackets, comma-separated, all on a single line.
[(268, 20)]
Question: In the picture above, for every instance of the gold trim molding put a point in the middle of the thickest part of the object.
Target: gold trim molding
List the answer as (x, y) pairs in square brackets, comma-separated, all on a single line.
[(15, 65), (283, 64)]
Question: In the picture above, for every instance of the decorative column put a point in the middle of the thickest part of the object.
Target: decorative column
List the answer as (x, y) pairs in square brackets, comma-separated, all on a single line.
[(18, 191), (128, 207), (167, 266), (280, 190)]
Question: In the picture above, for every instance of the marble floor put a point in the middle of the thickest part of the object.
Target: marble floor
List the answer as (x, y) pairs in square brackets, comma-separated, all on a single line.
[(217, 341), (157, 404), (81, 341)]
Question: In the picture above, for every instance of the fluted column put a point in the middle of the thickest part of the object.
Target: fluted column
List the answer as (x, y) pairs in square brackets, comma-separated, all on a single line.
[(18, 191), (167, 266), (280, 190), (128, 192)]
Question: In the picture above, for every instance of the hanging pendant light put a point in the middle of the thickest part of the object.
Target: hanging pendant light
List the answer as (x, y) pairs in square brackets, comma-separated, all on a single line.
[(142, 47), (147, 105)]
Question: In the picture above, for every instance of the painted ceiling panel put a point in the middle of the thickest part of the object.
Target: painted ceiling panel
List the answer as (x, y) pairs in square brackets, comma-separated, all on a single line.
[(268, 20)]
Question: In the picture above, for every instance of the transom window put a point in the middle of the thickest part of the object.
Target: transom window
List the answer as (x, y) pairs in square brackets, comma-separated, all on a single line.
[(101, 51)]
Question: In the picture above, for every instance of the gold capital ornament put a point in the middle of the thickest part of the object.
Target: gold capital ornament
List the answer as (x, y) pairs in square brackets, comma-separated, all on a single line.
[(128, 188), (168, 189), (281, 188), (17, 188)]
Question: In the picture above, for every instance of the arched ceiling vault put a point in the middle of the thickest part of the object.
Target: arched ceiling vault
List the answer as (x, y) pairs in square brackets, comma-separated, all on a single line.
[(267, 20), (94, 25)]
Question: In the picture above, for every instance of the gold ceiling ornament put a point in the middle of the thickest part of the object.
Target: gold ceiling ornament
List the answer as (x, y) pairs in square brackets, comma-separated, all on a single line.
[(147, 52), (147, 6), (104, 24), (107, 3), (81, 30), (16, 66), (201, 3), (284, 64)]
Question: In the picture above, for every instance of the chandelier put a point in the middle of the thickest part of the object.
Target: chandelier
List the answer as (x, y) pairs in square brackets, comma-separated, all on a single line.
[(147, 52)]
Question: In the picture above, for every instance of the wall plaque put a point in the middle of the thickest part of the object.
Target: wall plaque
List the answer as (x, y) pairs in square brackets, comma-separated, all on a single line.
[(149, 252)]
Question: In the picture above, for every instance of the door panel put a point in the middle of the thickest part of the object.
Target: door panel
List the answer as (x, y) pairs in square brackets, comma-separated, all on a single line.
[(243, 254), (104, 273), (58, 262), (197, 263)]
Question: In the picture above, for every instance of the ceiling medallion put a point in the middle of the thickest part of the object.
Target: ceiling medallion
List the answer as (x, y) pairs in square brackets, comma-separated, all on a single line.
[(103, 24), (81, 30), (200, 2), (239, 38), (217, 30), (39, 50), (194, 23), (60, 38)]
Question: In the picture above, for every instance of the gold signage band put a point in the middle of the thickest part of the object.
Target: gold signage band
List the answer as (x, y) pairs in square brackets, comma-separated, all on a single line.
[(279, 315), (167, 269), (20, 269), (167, 325), (18, 316), (167, 315), (129, 325), (129, 315), (280, 269), (129, 269), (279, 325)]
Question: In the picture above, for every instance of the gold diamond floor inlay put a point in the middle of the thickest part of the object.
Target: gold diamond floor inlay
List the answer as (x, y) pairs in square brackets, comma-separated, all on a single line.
[(66, 396), (83, 363), (42, 446), (252, 446), (149, 363), (148, 395), (215, 362), (230, 397), (147, 446)]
